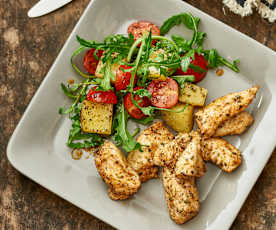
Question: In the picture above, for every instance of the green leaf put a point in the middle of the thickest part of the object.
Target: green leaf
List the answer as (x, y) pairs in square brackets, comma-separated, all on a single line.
[(144, 121), (185, 18), (122, 135), (215, 60), (67, 92), (105, 83), (85, 140), (143, 93), (182, 79), (77, 52), (186, 60), (197, 68)]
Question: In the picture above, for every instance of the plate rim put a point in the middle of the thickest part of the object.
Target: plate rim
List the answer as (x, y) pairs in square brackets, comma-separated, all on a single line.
[(13, 139)]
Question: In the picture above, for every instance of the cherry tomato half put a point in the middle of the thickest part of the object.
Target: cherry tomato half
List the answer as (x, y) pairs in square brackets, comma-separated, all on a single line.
[(164, 93), (139, 28), (132, 109), (90, 62), (100, 96), (199, 61), (123, 79)]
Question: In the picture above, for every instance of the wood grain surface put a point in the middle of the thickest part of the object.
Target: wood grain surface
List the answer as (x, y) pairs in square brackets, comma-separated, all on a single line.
[(28, 47)]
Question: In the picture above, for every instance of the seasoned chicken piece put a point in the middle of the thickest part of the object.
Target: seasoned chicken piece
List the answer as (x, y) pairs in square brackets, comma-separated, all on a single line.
[(120, 177), (235, 125), (168, 154), (115, 196), (150, 139), (181, 196), (211, 116), (221, 153), (190, 162)]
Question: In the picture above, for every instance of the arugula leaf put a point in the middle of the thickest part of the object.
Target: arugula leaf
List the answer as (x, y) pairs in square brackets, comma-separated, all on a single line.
[(105, 83), (143, 93), (186, 60), (144, 121), (182, 43), (122, 136), (185, 18), (88, 139), (75, 53), (197, 68), (215, 60), (182, 79), (67, 92)]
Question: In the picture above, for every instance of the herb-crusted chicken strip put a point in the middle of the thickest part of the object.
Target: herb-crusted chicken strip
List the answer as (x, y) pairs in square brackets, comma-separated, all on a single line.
[(211, 116), (190, 162), (167, 154), (235, 125), (120, 178), (151, 138), (181, 196), (221, 153)]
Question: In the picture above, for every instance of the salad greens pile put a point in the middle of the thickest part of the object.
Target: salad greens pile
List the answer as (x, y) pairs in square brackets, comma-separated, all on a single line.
[(137, 54)]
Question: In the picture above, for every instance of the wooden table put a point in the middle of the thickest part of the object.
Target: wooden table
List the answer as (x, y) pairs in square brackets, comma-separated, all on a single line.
[(28, 48)]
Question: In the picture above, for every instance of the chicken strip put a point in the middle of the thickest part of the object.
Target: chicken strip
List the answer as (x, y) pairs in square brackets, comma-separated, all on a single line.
[(150, 139), (120, 177), (167, 154), (115, 196), (190, 162), (235, 125), (181, 196), (211, 116), (221, 153)]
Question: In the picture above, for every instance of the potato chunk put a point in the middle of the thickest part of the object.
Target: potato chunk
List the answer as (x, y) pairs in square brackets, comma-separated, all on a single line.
[(193, 95), (180, 122), (96, 117)]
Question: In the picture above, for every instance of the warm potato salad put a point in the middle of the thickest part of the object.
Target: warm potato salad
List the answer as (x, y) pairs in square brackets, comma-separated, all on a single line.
[(144, 76)]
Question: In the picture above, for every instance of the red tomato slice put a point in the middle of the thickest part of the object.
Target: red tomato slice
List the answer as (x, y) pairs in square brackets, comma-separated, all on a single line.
[(164, 93), (90, 62), (100, 96), (139, 28), (199, 61), (123, 79), (132, 109)]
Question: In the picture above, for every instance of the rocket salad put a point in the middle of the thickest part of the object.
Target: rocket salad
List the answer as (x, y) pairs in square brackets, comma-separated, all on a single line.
[(134, 77)]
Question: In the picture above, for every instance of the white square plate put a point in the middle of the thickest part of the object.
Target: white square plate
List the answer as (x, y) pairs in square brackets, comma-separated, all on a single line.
[(37, 147)]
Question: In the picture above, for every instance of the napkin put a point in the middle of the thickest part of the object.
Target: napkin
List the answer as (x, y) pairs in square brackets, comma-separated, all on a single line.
[(266, 8)]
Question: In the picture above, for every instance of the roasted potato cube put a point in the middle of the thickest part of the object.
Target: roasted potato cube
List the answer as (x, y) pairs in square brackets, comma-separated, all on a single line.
[(180, 122), (193, 95), (96, 117)]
